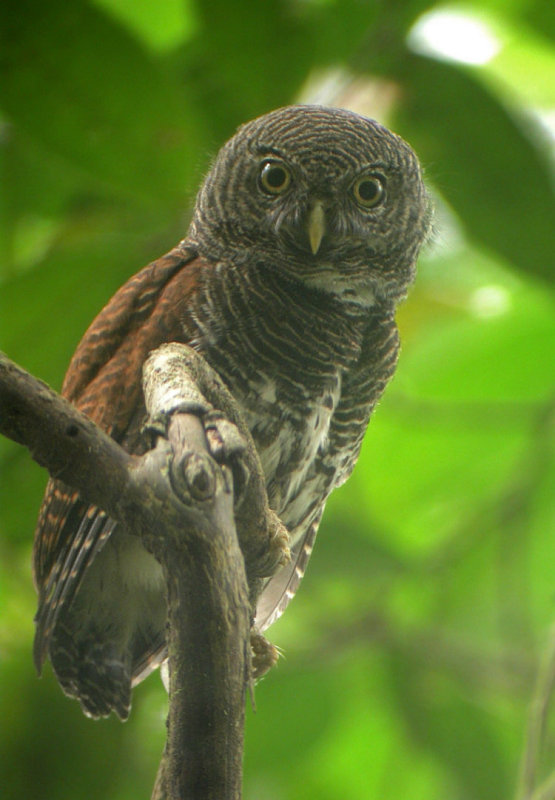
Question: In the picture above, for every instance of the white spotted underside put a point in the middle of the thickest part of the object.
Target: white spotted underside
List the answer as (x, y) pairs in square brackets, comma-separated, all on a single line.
[(288, 446)]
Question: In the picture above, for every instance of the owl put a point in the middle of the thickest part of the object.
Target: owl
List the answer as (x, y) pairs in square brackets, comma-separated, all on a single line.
[(304, 237)]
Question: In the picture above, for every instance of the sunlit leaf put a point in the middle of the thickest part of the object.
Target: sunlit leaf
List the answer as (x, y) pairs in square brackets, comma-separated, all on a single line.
[(484, 158)]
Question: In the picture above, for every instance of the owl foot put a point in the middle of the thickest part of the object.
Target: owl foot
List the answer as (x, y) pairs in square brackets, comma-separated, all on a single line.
[(227, 446), (264, 655), (278, 553), (180, 380)]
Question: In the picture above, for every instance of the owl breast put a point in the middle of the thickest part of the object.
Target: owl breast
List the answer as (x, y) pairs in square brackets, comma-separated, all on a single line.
[(284, 351), (289, 436)]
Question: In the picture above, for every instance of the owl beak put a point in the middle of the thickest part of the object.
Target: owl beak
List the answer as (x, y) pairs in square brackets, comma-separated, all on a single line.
[(316, 226)]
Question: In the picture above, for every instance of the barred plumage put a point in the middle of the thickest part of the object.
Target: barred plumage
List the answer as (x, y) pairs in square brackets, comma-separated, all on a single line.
[(288, 289)]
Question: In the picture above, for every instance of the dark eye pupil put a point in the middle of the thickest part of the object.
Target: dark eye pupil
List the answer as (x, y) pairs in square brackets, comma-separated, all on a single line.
[(275, 177), (368, 190)]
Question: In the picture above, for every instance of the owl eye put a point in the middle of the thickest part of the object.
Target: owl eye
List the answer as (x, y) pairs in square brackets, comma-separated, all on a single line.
[(274, 177), (369, 191)]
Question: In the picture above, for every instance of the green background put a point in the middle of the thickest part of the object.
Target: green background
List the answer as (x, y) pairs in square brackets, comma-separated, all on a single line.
[(412, 650)]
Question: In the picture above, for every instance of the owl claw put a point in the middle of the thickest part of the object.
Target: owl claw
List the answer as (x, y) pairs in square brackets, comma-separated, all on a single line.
[(275, 553), (228, 446), (196, 389), (223, 436), (264, 655), (279, 553)]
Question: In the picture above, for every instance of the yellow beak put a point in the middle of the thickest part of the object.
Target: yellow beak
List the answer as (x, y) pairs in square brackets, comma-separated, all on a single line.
[(316, 226)]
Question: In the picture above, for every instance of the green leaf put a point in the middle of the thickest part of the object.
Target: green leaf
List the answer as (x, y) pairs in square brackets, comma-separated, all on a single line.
[(249, 61), (82, 85), (455, 421), (160, 24), (484, 158), (461, 734), (539, 15)]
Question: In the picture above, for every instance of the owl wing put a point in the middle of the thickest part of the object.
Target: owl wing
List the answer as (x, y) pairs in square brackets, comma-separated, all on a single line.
[(282, 587), (362, 387), (104, 381)]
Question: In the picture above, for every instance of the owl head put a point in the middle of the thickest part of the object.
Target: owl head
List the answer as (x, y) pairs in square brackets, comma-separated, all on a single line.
[(327, 197)]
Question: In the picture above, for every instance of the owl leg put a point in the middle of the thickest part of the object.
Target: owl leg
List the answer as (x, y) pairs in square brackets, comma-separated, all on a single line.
[(229, 445), (178, 379)]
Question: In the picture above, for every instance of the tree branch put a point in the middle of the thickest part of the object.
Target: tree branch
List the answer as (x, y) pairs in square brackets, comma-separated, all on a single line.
[(60, 438), (181, 504), (208, 628)]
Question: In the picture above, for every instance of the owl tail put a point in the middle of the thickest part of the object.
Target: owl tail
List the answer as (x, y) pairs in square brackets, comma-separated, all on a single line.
[(92, 672)]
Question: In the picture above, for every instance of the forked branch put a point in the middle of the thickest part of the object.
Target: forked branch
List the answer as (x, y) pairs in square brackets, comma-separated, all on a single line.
[(180, 501)]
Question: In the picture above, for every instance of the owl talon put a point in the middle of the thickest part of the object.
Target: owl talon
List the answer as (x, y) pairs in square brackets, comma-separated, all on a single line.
[(225, 442), (223, 436), (154, 428), (228, 446), (279, 553), (157, 425), (264, 655), (276, 552)]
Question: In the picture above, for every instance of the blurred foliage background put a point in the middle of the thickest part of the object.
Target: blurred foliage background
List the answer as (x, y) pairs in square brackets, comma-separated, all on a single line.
[(413, 650)]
